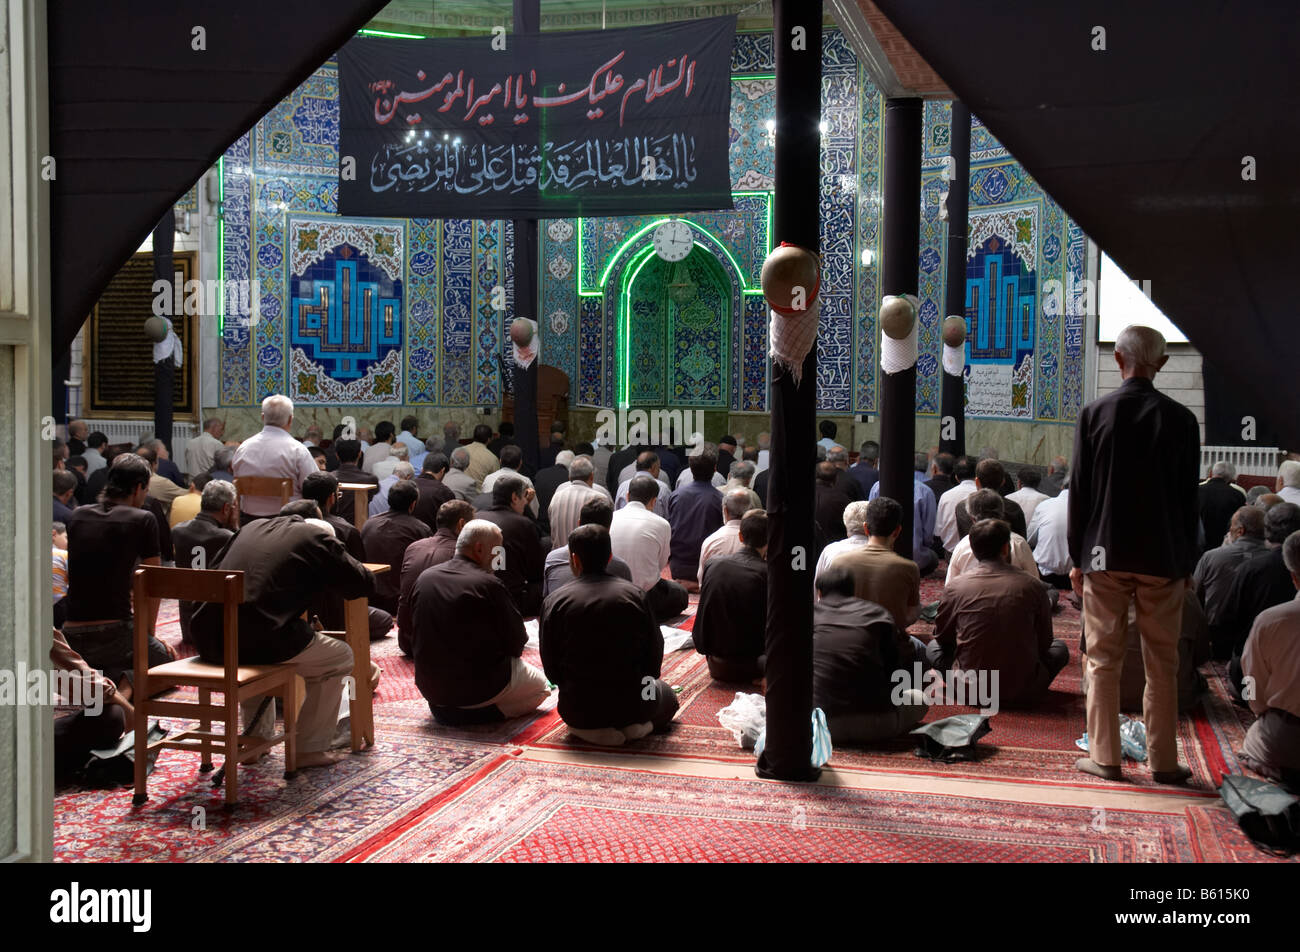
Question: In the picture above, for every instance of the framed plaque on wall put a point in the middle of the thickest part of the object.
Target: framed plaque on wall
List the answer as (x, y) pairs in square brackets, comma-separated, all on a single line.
[(119, 370)]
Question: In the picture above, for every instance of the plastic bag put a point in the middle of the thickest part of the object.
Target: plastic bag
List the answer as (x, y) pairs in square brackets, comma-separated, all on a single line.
[(746, 718), (821, 739), (1132, 738)]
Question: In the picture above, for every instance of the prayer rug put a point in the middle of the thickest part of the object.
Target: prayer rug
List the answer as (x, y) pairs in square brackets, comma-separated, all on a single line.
[(1033, 746), (319, 814), (521, 810)]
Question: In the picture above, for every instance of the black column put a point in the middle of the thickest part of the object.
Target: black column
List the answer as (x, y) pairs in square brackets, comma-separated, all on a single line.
[(952, 396), (902, 235), (164, 240), (528, 19), (791, 552)]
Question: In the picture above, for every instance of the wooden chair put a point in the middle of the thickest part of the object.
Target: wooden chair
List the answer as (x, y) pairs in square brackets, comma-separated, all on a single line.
[(234, 681), (265, 486)]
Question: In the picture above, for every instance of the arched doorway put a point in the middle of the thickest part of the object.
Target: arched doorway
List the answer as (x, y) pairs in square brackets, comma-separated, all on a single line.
[(674, 331)]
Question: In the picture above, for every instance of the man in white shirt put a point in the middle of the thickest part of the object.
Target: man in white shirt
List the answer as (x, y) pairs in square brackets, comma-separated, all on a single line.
[(379, 450), (764, 451), (379, 502), (646, 462), (1048, 538), (726, 540), (414, 445), (1270, 659), (1028, 496), (945, 521), (200, 451), (565, 510), (855, 524), (1288, 481), (512, 457), (828, 430), (987, 504), (93, 453), (275, 453), (397, 453), (641, 539)]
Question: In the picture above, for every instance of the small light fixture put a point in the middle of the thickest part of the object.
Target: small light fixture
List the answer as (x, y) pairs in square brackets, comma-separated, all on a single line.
[(771, 125), (822, 126), (868, 256)]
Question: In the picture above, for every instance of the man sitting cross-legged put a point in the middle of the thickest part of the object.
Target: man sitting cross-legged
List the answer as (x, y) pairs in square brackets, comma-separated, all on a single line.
[(386, 538), (595, 511), (855, 654), (468, 638), (731, 621), (996, 618), (1272, 663), (602, 647), (726, 540), (286, 561), (643, 539), (988, 504), (882, 576)]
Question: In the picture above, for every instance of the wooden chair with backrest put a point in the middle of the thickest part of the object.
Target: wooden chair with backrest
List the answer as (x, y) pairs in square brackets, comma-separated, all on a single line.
[(281, 486), (234, 681)]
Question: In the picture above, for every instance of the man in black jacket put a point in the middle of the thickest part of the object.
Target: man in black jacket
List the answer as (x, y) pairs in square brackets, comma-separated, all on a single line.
[(1219, 499), (323, 489), (467, 637), (522, 560), (286, 561), (197, 542), (855, 654), (432, 491), (731, 621), (1133, 527), (1260, 583), (601, 646), (386, 537), (349, 471)]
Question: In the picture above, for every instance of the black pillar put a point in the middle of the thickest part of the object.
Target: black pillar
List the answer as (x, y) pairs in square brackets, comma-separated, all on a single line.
[(791, 551), (528, 19), (164, 240), (952, 395), (902, 235)]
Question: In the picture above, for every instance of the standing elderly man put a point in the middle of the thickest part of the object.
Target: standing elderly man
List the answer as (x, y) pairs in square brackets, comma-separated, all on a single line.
[(274, 453), (201, 450), (1133, 534), (467, 637)]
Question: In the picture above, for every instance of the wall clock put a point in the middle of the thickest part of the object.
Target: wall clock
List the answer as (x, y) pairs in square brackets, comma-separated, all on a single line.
[(673, 240)]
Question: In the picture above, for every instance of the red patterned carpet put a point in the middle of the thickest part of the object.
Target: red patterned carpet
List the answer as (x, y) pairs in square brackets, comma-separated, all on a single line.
[(524, 791), (523, 811)]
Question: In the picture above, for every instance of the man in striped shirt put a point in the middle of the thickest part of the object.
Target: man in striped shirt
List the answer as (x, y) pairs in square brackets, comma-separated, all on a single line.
[(565, 511)]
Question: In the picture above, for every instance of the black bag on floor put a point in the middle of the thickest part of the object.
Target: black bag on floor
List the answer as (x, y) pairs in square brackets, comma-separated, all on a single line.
[(1268, 814), (952, 738), (115, 766)]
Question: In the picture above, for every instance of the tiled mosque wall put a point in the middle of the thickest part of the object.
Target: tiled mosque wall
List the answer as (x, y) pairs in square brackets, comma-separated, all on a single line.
[(432, 339)]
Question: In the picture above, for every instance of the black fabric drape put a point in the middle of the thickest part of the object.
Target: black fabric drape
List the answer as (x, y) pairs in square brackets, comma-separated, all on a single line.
[(138, 114), (1175, 148), (952, 393), (528, 20), (899, 276), (164, 371), (792, 554)]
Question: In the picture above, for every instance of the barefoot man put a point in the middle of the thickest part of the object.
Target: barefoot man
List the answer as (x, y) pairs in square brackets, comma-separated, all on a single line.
[(287, 561), (1133, 514)]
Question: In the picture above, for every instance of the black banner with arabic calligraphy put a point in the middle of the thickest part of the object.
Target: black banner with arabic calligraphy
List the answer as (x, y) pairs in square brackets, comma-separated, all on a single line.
[(614, 122)]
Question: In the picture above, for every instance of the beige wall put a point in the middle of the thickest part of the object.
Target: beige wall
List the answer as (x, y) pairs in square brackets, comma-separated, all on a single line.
[(1181, 378)]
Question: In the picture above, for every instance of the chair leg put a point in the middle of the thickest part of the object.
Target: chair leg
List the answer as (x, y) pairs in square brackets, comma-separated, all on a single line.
[(205, 725), (232, 748), (141, 706), (291, 726)]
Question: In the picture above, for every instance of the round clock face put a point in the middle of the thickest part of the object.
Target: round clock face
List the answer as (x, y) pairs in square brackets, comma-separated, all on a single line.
[(673, 240)]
